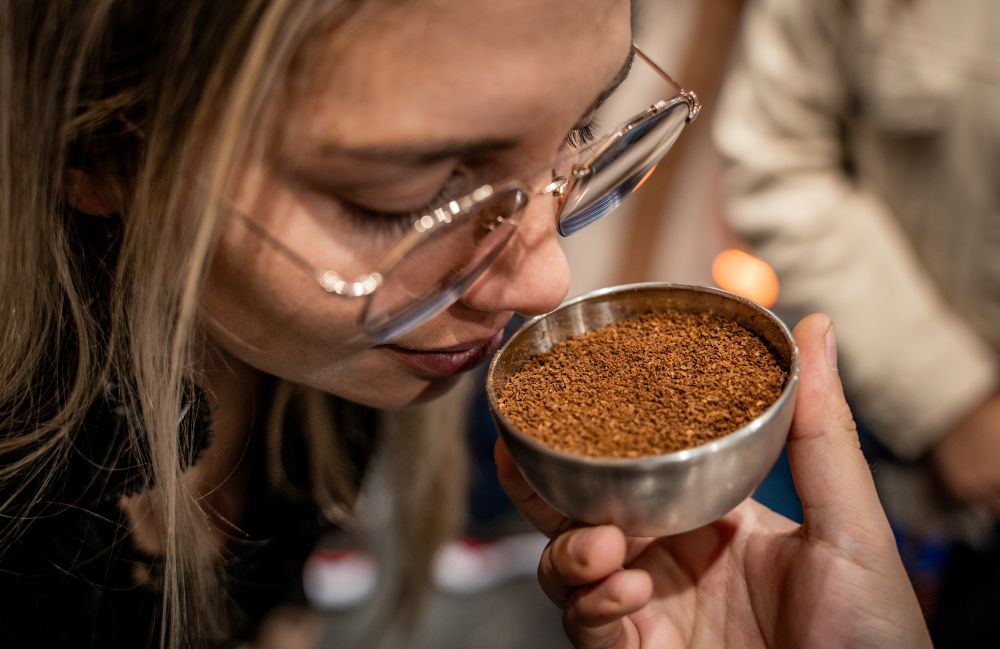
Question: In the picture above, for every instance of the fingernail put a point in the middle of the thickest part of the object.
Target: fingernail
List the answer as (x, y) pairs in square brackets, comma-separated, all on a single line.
[(831, 348)]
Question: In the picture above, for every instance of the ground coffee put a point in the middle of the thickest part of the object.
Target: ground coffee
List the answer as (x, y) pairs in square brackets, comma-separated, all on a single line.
[(647, 385)]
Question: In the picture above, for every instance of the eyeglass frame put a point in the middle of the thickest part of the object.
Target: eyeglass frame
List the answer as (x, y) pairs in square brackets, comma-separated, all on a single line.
[(441, 217)]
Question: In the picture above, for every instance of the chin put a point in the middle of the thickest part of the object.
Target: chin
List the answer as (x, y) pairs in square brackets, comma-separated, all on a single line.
[(409, 393)]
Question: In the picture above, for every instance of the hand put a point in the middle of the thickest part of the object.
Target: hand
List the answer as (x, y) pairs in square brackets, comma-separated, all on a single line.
[(753, 578), (968, 458)]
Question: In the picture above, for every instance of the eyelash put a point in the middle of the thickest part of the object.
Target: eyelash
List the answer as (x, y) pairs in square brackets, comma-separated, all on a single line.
[(581, 136), (392, 224), (395, 224)]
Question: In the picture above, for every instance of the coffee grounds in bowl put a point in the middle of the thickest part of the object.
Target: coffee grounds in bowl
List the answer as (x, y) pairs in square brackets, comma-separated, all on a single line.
[(647, 385)]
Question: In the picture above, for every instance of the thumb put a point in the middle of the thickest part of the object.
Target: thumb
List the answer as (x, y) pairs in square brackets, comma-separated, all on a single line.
[(831, 475)]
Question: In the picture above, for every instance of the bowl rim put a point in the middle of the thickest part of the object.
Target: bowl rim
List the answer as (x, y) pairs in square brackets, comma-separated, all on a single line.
[(645, 461)]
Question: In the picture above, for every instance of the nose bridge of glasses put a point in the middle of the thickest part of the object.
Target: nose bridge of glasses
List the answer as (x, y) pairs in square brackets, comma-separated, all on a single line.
[(556, 187)]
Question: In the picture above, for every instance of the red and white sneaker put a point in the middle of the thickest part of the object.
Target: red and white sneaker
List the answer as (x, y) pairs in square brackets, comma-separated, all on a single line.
[(470, 565), (339, 579)]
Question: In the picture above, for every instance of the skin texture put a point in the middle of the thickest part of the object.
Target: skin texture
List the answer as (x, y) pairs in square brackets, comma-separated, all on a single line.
[(753, 578), (968, 457), (341, 129)]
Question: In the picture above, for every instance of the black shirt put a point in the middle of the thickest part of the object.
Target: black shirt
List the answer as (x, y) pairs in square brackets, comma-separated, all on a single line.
[(69, 581)]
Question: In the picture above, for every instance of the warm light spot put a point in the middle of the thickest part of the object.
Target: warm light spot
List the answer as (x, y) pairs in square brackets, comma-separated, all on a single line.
[(742, 273)]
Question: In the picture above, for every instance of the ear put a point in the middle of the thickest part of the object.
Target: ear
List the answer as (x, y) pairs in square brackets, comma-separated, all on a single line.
[(90, 194)]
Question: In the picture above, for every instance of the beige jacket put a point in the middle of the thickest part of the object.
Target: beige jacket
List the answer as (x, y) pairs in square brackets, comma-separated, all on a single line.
[(863, 138)]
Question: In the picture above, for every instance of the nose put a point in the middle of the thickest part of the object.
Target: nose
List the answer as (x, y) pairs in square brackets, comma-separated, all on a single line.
[(531, 275)]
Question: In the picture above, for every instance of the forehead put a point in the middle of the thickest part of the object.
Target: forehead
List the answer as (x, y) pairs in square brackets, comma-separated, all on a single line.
[(410, 66)]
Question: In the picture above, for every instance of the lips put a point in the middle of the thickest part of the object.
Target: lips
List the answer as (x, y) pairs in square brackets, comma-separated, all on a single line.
[(447, 361)]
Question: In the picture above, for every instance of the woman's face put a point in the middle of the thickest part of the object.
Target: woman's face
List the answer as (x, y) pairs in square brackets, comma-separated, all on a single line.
[(395, 110)]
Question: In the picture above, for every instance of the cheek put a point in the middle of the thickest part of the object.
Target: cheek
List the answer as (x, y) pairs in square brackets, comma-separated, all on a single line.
[(261, 304), (263, 310), (292, 340), (263, 296)]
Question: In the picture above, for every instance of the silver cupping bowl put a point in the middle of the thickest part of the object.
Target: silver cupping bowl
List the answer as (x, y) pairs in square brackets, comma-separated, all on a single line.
[(654, 495)]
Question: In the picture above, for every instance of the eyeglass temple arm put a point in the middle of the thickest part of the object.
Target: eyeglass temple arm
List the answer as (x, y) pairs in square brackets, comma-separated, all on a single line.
[(694, 106), (290, 254), (330, 281)]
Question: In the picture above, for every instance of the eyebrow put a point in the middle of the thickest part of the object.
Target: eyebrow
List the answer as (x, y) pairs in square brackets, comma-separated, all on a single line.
[(420, 154), (618, 80)]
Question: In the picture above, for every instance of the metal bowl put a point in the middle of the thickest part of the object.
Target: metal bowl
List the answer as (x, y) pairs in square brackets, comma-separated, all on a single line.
[(661, 494)]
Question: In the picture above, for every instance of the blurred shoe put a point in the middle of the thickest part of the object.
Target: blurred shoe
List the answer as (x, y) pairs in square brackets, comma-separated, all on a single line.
[(470, 565), (338, 579)]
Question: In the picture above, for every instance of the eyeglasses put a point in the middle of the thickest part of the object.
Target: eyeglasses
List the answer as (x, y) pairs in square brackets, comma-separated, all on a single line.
[(449, 247)]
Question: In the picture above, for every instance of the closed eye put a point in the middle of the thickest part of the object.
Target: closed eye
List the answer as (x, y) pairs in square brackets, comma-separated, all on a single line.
[(581, 135), (584, 132), (396, 223)]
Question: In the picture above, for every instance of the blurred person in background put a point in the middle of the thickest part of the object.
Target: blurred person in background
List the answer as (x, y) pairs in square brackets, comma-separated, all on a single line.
[(240, 243), (863, 149)]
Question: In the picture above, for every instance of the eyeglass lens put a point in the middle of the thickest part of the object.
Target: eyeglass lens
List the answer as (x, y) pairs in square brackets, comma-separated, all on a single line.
[(439, 269), (628, 142), (621, 168)]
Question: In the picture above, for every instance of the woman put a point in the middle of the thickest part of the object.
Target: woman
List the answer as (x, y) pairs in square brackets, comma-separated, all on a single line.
[(201, 318)]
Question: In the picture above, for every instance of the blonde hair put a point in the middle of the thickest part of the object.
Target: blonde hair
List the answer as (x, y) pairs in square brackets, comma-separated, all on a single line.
[(137, 96)]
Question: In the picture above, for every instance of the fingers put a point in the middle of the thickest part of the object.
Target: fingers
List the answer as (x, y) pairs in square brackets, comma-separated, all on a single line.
[(581, 571), (831, 475), (579, 557), (596, 617), (538, 512)]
